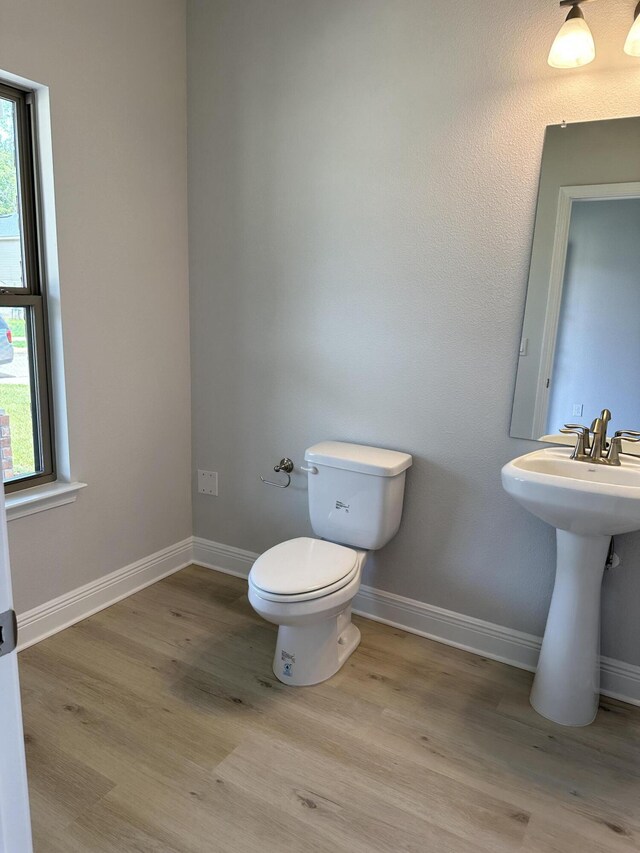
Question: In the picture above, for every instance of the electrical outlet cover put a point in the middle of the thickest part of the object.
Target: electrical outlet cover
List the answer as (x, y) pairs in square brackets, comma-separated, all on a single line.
[(207, 482)]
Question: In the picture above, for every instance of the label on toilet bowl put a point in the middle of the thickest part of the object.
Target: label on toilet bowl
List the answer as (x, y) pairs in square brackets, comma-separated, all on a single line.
[(288, 662)]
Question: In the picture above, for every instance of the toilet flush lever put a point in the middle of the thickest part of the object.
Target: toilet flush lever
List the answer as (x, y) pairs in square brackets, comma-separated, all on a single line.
[(310, 470), (286, 466)]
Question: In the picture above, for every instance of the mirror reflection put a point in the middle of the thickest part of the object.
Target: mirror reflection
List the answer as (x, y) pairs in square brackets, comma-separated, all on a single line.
[(580, 346)]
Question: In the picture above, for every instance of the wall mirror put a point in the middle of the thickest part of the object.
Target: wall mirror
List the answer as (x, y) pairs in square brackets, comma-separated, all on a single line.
[(580, 345)]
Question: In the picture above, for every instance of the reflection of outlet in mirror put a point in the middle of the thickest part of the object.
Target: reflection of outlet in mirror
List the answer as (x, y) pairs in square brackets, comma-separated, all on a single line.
[(208, 482)]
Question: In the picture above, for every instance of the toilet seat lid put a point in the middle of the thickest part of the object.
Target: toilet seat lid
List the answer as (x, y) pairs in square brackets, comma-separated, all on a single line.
[(302, 565)]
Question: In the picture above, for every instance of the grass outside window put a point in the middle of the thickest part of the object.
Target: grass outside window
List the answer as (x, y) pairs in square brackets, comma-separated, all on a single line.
[(16, 401)]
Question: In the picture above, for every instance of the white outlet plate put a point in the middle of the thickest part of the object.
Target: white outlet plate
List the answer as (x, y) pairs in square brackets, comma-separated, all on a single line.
[(208, 482)]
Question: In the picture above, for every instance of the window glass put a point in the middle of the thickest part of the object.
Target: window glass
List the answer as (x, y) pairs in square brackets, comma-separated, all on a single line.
[(11, 250), (16, 396)]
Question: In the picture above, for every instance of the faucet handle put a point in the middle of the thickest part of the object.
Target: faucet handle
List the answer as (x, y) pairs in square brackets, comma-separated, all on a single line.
[(580, 450), (579, 428), (615, 448)]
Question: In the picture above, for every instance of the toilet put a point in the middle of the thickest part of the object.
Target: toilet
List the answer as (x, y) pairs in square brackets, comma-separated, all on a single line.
[(306, 585)]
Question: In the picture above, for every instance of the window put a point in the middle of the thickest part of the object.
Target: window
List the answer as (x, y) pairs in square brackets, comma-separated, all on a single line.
[(26, 422)]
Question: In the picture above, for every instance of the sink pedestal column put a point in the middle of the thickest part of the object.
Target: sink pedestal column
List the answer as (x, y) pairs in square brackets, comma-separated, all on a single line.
[(566, 688)]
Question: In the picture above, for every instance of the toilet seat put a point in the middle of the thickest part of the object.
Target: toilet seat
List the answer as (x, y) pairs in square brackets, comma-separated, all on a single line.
[(305, 596), (303, 569)]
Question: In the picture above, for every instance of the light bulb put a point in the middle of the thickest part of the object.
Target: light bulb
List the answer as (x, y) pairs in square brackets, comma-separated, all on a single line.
[(573, 46), (632, 44)]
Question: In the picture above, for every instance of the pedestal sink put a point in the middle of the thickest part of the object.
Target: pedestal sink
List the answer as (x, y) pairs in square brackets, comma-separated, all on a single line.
[(587, 504)]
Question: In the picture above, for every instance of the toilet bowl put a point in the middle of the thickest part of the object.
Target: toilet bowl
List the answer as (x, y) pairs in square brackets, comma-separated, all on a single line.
[(306, 585)]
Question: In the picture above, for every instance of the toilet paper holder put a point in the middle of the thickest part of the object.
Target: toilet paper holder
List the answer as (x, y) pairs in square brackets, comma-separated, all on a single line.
[(286, 466)]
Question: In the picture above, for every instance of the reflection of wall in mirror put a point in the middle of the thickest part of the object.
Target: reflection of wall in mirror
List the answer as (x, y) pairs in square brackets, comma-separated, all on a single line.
[(597, 357)]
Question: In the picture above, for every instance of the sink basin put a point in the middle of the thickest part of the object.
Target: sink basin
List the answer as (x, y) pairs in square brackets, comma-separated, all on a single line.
[(587, 504), (576, 496)]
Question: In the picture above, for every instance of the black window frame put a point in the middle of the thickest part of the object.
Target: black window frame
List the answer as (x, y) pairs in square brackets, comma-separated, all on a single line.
[(32, 295)]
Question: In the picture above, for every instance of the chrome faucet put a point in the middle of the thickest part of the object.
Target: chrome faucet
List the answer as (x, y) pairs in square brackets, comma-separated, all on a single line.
[(592, 445)]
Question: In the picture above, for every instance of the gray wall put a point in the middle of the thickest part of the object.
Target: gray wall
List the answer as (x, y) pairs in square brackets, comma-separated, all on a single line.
[(363, 179), (116, 70), (597, 359)]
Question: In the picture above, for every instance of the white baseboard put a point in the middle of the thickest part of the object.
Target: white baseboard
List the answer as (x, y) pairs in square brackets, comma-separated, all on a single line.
[(618, 680), (222, 558), (446, 626), (54, 616)]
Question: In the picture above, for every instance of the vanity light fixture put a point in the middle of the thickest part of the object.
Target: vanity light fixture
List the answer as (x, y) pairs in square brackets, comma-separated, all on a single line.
[(574, 46), (632, 44)]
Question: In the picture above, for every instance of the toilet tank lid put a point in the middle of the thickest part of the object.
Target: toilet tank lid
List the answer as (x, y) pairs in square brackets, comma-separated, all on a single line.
[(358, 457)]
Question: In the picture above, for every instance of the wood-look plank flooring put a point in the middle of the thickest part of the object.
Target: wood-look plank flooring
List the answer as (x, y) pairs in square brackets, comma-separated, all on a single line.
[(157, 726)]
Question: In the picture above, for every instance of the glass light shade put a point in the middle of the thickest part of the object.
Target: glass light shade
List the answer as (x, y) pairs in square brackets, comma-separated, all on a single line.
[(632, 44), (573, 46)]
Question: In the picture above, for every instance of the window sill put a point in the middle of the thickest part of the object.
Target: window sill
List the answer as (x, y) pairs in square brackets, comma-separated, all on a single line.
[(40, 498)]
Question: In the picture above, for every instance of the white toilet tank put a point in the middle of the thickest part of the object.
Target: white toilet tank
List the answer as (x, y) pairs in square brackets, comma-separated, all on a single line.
[(356, 496)]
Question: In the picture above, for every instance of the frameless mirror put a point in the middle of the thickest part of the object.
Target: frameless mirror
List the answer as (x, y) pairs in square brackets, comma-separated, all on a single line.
[(580, 345)]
